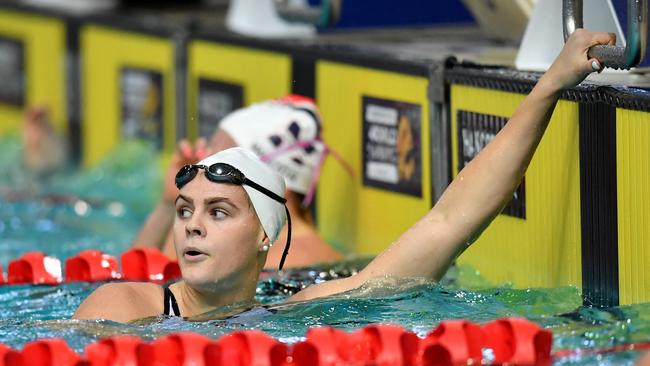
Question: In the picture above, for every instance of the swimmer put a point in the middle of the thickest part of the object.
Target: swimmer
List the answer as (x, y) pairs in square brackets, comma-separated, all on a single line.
[(286, 133), (44, 151), (229, 210), (644, 360)]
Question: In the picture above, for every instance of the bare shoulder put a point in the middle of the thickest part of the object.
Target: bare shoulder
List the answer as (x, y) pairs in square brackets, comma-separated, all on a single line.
[(122, 302)]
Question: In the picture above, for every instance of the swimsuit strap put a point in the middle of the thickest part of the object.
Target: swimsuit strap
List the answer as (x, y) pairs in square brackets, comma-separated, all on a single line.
[(170, 306)]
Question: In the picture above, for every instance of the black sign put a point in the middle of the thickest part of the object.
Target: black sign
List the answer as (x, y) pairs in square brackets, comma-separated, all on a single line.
[(216, 100), (475, 130), (12, 72), (142, 96), (392, 152)]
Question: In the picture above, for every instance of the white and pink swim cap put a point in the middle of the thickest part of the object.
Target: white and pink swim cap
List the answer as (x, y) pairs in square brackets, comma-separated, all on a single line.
[(286, 134)]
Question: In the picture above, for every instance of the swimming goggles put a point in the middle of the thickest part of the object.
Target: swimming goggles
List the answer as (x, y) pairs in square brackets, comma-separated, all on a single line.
[(226, 173)]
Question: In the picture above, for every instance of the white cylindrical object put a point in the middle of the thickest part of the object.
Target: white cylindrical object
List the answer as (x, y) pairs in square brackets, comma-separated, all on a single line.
[(258, 18)]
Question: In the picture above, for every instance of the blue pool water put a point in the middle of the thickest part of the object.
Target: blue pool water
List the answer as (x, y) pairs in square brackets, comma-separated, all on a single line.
[(104, 206)]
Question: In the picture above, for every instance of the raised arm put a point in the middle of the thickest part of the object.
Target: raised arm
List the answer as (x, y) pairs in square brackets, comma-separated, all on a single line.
[(479, 192), (156, 229)]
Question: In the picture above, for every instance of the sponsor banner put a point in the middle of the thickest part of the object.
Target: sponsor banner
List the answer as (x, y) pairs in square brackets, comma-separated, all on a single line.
[(141, 98), (475, 131), (392, 156), (12, 72), (215, 101)]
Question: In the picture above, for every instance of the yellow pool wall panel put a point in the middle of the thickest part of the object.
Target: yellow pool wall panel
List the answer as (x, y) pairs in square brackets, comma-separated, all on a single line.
[(44, 40), (633, 181), (544, 249), (362, 219), (262, 74), (105, 51)]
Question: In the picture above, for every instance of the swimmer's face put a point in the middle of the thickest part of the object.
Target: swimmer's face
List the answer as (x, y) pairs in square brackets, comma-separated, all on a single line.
[(217, 235)]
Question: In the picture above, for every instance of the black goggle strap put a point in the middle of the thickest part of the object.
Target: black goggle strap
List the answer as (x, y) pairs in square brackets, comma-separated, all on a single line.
[(282, 200), (265, 191), (288, 244)]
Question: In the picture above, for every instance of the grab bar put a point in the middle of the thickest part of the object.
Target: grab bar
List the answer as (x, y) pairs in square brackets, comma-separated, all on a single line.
[(326, 14), (613, 56)]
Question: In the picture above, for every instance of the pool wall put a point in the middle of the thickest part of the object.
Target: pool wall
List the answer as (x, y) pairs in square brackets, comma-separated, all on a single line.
[(536, 239), (34, 49), (585, 198), (112, 61), (397, 106)]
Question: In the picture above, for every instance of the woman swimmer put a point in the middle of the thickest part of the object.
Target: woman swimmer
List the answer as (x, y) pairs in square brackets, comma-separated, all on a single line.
[(222, 231), (285, 133)]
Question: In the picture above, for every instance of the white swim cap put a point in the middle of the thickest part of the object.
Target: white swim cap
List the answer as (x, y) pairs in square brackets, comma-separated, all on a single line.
[(285, 133), (271, 213)]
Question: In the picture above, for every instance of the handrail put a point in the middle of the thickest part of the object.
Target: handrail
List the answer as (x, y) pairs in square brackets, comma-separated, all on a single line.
[(613, 56), (326, 14)]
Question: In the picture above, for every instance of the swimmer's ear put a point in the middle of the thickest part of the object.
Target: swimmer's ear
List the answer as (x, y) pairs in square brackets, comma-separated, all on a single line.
[(266, 240), (266, 245)]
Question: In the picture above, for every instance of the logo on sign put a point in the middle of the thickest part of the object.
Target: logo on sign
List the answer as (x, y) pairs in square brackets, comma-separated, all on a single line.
[(216, 100), (391, 145), (12, 72), (141, 94)]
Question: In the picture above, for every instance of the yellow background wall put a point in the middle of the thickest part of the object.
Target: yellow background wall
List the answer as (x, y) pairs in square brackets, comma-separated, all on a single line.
[(262, 74), (105, 51), (44, 48), (633, 181), (364, 219)]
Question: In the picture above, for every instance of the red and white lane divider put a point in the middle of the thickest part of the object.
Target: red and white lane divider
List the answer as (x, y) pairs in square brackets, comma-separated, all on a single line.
[(511, 341), (34, 268), (138, 264)]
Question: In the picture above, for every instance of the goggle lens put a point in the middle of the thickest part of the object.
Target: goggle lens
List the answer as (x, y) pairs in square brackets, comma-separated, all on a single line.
[(221, 173), (185, 175)]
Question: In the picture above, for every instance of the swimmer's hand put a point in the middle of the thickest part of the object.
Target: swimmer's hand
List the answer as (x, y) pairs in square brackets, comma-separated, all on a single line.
[(573, 64), (156, 231), (185, 153), (45, 151)]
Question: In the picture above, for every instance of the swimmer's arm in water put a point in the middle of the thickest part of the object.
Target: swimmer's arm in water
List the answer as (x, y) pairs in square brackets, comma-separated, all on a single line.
[(122, 302), (483, 187)]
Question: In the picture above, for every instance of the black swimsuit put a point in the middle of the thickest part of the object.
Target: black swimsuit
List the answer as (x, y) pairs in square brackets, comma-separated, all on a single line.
[(170, 305), (171, 308)]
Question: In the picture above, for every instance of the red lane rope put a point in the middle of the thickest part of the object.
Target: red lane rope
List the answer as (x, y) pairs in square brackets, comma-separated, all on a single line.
[(149, 264), (136, 264), (514, 341)]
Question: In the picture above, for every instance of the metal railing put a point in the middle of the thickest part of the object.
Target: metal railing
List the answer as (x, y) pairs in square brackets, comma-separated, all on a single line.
[(326, 14), (613, 56)]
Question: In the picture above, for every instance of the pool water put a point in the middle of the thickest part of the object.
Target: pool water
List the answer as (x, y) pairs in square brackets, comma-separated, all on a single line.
[(103, 207)]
